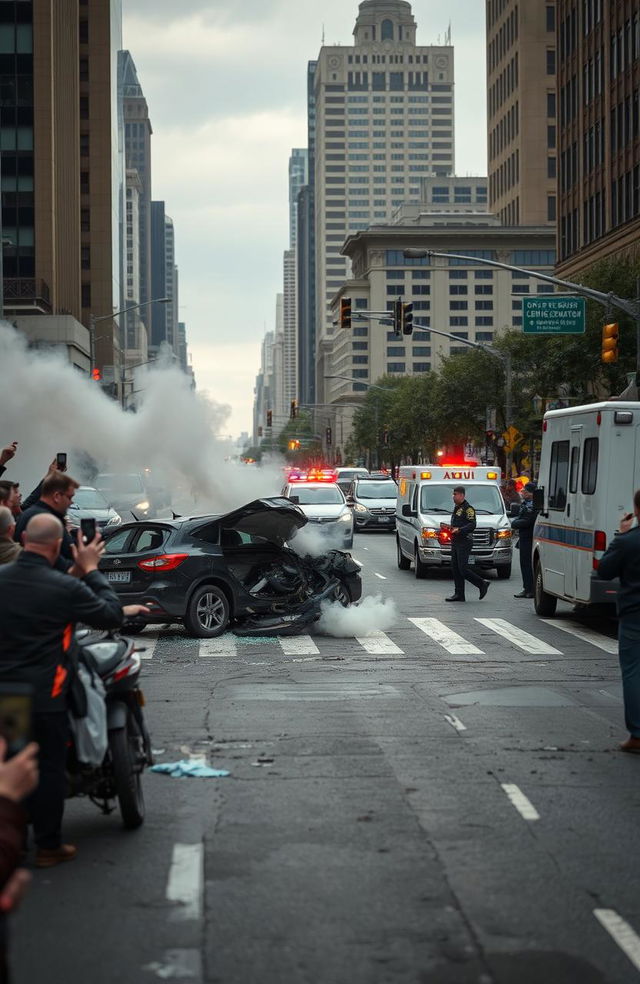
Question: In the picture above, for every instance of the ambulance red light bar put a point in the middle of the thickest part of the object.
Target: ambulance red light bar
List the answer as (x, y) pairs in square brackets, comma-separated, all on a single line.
[(459, 464)]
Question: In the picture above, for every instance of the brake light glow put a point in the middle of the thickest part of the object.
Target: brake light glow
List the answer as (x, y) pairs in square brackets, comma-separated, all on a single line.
[(163, 562), (600, 540), (444, 535), (123, 672)]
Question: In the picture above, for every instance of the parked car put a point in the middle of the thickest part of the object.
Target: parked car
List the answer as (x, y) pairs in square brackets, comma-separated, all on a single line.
[(345, 476), (127, 492), (210, 572), (89, 503), (373, 501), (325, 506)]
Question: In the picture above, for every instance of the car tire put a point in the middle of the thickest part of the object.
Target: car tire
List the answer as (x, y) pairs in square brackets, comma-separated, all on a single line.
[(503, 572), (208, 613), (544, 604), (403, 562), (420, 568)]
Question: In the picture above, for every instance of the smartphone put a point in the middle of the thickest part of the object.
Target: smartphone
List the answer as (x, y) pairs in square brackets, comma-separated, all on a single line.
[(88, 528), (61, 460), (16, 701)]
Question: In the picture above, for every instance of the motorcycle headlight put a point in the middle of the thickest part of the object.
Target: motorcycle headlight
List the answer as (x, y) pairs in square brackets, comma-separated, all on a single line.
[(360, 508), (142, 505), (345, 517), (115, 521)]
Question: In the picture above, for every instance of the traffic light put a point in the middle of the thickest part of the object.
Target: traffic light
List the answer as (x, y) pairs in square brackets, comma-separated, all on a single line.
[(610, 337), (407, 319), (345, 313), (397, 317), (96, 374), (329, 437), (293, 412), (269, 418)]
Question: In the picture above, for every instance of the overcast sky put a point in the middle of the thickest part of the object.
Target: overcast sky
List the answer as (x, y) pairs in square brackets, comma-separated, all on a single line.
[(225, 81)]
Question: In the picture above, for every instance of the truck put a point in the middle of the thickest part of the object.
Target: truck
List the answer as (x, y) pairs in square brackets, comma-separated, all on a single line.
[(424, 509), (589, 471)]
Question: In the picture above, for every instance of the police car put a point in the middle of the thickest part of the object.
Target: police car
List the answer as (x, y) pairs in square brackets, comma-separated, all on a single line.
[(423, 512), (324, 504)]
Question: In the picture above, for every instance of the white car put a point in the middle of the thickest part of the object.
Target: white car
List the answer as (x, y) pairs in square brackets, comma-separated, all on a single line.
[(325, 506)]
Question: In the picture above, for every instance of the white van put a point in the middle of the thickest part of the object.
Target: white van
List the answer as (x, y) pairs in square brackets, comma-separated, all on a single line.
[(589, 470), (425, 503)]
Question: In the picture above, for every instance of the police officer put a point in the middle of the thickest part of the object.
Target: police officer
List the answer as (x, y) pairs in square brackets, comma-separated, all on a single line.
[(524, 523), (463, 523)]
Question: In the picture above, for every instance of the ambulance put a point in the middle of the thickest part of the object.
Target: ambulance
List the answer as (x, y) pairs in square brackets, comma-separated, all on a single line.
[(589, 471), (423, 513)]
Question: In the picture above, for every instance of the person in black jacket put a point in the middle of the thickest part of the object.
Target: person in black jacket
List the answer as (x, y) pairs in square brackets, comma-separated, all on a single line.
[(463, 523), (56, 495), (622, 560), (39, 607), (524, 523)]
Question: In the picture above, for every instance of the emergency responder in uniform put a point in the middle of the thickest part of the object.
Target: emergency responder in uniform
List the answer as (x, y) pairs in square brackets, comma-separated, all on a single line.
[(463, 523), (524, 523)]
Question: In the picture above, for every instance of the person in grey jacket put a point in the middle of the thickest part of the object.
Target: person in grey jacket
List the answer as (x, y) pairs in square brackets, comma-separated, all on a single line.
[(9, 550), (622, 560)]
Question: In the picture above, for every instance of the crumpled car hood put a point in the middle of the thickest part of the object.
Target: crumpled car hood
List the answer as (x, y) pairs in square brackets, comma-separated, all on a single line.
[(276, 519)]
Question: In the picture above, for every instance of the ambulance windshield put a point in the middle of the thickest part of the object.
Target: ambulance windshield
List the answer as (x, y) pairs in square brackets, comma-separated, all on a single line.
[(485, 499)]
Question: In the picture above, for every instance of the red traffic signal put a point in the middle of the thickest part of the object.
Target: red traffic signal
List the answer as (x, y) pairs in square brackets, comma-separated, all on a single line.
[(96, 374)]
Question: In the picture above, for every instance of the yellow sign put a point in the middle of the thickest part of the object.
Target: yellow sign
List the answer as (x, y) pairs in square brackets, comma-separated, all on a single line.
[(512, 436)]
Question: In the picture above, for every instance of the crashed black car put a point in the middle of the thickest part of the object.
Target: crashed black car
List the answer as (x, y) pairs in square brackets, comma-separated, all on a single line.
[(231, 571)]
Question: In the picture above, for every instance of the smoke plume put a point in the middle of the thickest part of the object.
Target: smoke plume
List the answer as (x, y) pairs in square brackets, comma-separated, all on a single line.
[(372, 614)]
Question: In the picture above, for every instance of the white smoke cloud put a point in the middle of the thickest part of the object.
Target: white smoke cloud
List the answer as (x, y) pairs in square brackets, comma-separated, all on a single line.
[(48, 406), (309, 541), (372, 614)]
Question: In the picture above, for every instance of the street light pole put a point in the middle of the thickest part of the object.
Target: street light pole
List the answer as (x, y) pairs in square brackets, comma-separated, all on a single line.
[(93, 321)]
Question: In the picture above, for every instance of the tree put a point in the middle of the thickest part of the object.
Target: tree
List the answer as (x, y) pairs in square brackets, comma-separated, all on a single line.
[(372, 418), (466, 386), (300, 431), (411, 428)]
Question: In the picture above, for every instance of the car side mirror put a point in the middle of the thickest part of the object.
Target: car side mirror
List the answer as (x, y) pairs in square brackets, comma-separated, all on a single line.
[(407, 510), (538, 499), (514, 509), (295, 499)]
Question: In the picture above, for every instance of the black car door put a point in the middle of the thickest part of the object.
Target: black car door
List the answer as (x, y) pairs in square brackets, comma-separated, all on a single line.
[(145, 543)]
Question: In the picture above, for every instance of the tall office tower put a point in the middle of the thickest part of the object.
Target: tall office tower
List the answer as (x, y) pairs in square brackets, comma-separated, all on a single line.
[(521, 111), (298, 178), (599, 131), (306, 256), (298, 173), (102, 173), (384, 119), (133, 334), (137, 144), (171, 275)]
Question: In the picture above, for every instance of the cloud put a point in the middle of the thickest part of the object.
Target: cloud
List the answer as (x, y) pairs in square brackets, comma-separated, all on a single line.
[(226, 88)]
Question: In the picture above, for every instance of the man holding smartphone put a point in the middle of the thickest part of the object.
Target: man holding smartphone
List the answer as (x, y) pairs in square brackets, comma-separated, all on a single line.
[(622, 560), (56, 495), (39, 607)]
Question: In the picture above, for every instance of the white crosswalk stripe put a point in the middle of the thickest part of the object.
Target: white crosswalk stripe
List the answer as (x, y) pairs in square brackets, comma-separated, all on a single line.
[(445, 637), (147, 643), (302, 645), (586, 635), (224, 645), (379, 644), (523, 640)]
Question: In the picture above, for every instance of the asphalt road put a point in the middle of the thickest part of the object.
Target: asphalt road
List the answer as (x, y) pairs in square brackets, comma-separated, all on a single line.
[(441, 803)]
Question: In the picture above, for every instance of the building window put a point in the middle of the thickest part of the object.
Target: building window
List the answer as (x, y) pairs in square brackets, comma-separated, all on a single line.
[(396, 367), (552, 168), (551, 105), (551, 61), (551, 208), (83, 31), (86, 295), (386, 31), (551, 18), (421, 366), (85, 261)]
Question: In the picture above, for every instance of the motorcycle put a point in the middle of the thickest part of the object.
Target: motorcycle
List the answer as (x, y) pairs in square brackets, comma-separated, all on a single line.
[(116, 662)]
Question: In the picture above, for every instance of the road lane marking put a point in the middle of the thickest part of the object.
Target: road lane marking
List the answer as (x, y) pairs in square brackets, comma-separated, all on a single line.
[(302, 645), (149, 643), (445, 637), (620, 930), (224, 645), (186, 881), (586, 635), (520, 638), (381, 576), (455, 722), (355, 560), (524, 806), (379, 644)]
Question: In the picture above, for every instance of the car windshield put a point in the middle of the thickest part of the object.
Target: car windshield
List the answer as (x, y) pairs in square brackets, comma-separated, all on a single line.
[(89, 499), (439, 498), (376, 490), (120, 483), (317, 495), (348, 474)]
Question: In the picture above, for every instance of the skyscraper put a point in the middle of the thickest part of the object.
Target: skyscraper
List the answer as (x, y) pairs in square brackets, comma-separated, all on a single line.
[(384, 119), (599, 131), (306, 256), (298, 178), (298, 174), (521, 111)]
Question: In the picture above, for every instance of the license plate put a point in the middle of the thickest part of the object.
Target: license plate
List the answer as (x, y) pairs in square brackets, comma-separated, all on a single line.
[(384, 519), (119, 577)]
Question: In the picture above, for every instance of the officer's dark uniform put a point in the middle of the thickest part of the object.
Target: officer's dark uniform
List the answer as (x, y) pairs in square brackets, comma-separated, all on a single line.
[(464, 519)]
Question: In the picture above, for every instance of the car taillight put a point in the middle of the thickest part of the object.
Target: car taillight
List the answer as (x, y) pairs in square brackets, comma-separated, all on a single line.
[(163, 562), (600, 540)]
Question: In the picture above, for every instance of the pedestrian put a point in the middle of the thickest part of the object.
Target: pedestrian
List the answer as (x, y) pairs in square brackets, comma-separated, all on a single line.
[(463, 523), (56, 495), (39, 607), (9, 549), (622, 560), (524, 523)]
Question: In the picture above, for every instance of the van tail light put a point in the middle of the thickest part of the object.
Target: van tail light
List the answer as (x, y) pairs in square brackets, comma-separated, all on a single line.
[(163, 562), (600, 540)]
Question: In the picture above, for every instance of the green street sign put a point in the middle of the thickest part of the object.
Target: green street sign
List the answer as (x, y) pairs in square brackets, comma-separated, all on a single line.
[(553, 315)]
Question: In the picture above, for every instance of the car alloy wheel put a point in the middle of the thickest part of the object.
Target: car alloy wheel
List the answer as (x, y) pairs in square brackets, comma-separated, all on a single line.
[(210, 611), (207, 614)]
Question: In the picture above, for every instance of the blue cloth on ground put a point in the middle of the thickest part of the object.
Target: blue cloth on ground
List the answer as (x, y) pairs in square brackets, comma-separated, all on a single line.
[(186, 769)]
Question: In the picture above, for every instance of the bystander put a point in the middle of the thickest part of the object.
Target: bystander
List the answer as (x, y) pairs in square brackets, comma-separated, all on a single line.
[(9, 549)]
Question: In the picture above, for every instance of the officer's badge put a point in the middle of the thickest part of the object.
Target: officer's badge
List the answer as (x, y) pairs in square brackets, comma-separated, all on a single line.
[(471, 514)]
